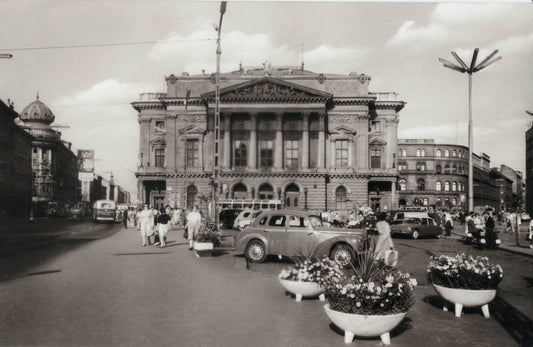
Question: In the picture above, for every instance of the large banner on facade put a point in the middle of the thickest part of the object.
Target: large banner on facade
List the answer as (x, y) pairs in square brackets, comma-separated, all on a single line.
[(85, 160)]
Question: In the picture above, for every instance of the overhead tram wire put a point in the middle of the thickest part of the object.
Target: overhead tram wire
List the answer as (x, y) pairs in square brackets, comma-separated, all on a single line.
[(101, 45)]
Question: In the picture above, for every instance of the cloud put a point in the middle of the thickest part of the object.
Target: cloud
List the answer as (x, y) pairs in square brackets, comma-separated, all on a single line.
[(462, 23), (195, 54)]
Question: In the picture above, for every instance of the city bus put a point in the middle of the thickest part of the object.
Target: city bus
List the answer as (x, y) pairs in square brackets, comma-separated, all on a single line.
[(243, 204), (104, 210)]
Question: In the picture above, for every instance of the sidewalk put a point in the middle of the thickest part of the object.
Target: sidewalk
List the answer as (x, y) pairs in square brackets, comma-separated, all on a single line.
[(508, 239)]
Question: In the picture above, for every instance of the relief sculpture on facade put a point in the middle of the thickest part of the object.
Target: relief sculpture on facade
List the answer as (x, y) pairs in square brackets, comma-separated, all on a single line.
[(266, 89)]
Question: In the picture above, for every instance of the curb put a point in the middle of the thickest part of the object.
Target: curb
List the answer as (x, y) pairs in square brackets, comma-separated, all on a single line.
[(503, 247)]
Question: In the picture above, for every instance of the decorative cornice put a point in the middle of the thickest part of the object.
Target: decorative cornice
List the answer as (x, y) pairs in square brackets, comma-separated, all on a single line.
[(140, 106), (394, 105)]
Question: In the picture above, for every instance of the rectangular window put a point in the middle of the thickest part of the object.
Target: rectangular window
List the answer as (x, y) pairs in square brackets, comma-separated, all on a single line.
[(193, 153), (313, 149), (341, 153), (160, 126), (240, 153), (266, 148), (160, 157), (375, 158), (291, 154)]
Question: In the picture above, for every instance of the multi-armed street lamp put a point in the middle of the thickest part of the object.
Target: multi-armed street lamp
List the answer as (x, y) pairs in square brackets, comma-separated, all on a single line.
[(470, 70)]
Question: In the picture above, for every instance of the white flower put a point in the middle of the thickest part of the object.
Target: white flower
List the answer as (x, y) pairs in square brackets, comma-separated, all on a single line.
[(413, 282), (358, 304)]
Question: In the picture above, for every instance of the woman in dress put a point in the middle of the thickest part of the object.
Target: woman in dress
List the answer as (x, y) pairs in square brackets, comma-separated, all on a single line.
[(384, 241)]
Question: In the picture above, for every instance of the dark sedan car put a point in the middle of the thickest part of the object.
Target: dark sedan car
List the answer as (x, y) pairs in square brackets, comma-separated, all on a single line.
[(227, 217), (288, 232), (415, 227)]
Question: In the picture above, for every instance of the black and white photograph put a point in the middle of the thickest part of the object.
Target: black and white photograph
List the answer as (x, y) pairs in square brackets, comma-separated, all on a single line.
[(266, 173)]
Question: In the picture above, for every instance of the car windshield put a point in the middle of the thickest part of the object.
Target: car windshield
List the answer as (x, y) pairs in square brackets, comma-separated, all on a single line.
[(412, 221)]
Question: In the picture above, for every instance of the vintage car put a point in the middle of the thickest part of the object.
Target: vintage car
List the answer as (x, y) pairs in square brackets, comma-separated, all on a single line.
[(291, 232), (248, 220), (227, 217), (416, 227)]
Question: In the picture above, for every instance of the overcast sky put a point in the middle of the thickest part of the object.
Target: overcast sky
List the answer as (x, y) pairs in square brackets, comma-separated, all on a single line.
[(397, 44)]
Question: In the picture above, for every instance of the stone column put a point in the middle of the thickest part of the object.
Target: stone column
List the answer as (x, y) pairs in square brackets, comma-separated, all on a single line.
[(252, 153), (350, 153), (227, 141), (321, 141), (305, 141), (278, 155), (362, 151)]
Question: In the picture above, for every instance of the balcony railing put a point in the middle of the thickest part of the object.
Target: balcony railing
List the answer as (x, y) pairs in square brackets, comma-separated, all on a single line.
[(385, 96), (151, 96)]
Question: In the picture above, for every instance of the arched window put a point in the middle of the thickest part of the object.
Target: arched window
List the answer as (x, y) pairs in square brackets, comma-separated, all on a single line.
[(454, 201), (422, 152), (454, 168), (421, 184), (192, 193), (454, 153), (418, 152), (420, 166), (240, 191), (266, 192), (447, 153), (438, 186), (403, 184), (438, 153), (340, 198), (446, 186), (404, 152), (454, 186), (460, 154), (402, 166), (447, 169), (438, 168), (425, 201)]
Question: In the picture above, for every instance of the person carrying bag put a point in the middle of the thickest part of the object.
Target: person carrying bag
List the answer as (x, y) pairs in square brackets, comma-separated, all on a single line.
[(384, 249)]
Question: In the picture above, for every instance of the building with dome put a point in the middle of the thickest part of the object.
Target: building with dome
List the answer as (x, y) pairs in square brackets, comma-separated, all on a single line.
[(15, 166), (54, 165), (310, 140)]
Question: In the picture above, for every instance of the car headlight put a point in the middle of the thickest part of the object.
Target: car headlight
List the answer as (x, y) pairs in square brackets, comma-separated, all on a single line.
[(409, 228)]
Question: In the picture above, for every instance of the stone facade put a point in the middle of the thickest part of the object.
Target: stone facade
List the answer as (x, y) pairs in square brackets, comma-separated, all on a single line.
[(529, 169), (54, 166), (311, 140), (15, 166)]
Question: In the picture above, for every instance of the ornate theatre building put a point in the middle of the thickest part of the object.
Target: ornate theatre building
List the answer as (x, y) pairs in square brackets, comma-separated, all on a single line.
[(310, 140)]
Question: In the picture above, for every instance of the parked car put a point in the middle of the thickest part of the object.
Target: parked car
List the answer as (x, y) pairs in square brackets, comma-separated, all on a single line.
[(416, 227), (244, 215), (227, 217), (286, 233), (525, 217), (243, 223), (368, 223), (75, 212)]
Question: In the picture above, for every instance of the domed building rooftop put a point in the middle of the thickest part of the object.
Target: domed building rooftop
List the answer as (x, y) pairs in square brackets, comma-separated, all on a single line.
[(36, 118), (37, 112)]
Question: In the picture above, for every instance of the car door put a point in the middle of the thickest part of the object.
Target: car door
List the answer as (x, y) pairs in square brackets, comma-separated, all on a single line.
[(275, 232), (300, 237)]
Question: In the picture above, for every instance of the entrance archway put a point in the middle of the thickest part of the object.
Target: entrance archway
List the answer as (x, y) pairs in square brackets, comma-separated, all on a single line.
[(192, 193), (266, 192), (292, 196), (240, 191)]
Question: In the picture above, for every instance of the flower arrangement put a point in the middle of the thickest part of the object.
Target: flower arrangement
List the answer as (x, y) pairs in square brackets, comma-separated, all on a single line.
[(386, 291), (464, 272), (313, 269), (209, 233)]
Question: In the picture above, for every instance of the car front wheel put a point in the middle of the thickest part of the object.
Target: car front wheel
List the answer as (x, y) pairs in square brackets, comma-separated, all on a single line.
[(342, 255), (416, 234), (255, 251)]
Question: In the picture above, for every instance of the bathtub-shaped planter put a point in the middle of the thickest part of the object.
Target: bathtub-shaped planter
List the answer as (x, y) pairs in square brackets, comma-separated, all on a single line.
[(303, 289), (466, 298)]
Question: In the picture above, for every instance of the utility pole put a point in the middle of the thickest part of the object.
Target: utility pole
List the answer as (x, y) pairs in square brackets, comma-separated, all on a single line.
[(216, 163), (470, 70), (185, 176)]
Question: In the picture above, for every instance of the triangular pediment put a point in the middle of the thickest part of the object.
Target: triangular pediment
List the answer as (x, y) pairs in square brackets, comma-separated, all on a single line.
[(377, 142), (191, 129), (268, 89)]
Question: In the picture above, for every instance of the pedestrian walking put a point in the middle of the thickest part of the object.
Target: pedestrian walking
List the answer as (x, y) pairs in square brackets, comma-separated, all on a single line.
[(530, 234), (448, 223), (194, 220), (384, 241), (146, 224), (163, 223), (125, 218), (157, 242)]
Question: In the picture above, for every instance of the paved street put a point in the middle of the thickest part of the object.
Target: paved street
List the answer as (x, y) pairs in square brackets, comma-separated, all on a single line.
[(95, 285)]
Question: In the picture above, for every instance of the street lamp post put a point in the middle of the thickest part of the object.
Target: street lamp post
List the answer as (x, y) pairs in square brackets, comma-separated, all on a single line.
[(6, 56), (470, 70), (217, 118)]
